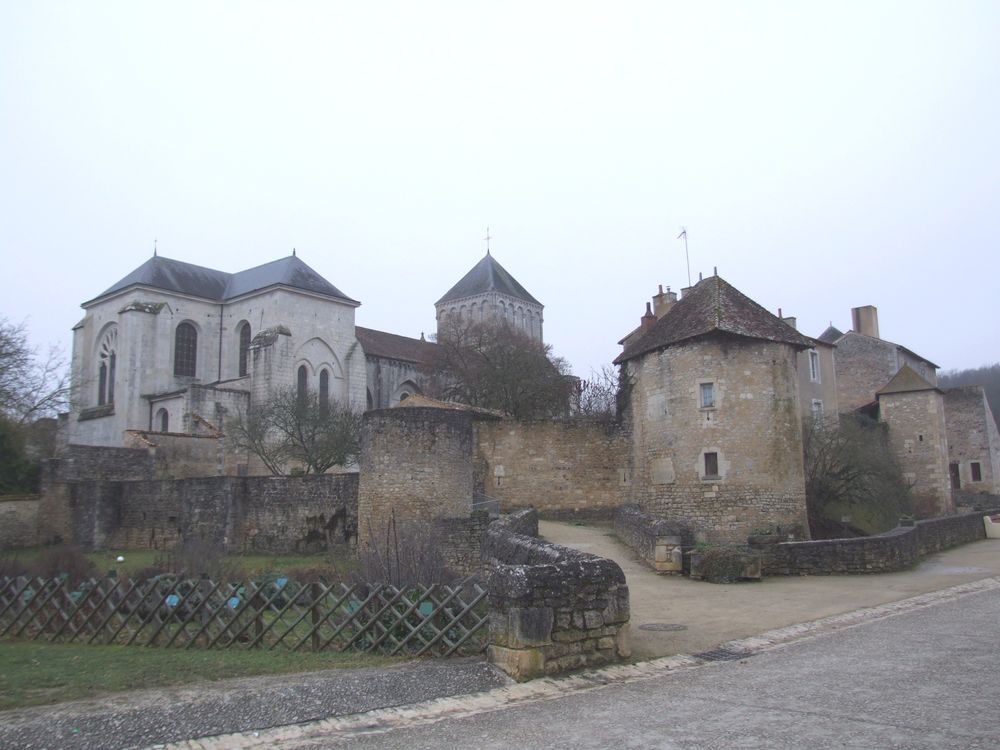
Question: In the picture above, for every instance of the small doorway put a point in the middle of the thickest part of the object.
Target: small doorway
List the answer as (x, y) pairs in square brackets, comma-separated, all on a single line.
[(956, 479)]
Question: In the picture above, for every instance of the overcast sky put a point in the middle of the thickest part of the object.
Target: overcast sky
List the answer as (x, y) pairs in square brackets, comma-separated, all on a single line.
[(822, 156)]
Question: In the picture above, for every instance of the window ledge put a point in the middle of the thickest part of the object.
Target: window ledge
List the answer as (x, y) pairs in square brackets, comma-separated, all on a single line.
[(712, 478), (96, 412)]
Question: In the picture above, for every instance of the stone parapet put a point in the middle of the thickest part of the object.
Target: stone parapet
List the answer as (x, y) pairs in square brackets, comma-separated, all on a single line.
[(660, 544), (552, 608)]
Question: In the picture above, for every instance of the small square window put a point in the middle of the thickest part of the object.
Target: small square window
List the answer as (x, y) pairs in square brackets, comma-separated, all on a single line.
[(711, 465), (707, 395), (977, 472)]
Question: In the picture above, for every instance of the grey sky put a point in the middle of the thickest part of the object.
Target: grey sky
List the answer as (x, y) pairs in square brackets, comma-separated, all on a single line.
[(822, 156)]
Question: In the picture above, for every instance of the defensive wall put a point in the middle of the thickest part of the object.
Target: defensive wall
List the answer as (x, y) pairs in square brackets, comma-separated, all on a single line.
[(552, 608)]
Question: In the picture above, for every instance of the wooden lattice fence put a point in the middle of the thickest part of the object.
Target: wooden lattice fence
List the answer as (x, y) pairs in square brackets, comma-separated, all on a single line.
[(171, 611)]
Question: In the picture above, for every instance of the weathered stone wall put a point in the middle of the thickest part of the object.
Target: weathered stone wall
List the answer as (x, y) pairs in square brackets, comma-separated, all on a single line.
[(552, 608), (462, 542), (19, 522), (658, 543), (239, 514), (84, 462), (972, 438), (754, 429), (386, 378), (415, 466), (564, 468), (894, 550), (819, 386), (866, 364), (918, 437)]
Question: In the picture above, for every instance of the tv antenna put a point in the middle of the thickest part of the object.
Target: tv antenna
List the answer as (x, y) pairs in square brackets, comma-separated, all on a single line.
[(684, 234)]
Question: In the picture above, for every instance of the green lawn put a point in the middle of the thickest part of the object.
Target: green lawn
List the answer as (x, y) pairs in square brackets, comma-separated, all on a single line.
[(39, 673)]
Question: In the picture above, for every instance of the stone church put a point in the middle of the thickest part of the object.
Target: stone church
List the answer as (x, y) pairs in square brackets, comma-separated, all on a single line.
[(174, 348)]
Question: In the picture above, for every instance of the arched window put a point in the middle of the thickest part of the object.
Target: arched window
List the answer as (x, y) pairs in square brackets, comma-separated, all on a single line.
[(324, 391), (244, 348), (163, 420), (302, 383), (185, 350), (106, 356)]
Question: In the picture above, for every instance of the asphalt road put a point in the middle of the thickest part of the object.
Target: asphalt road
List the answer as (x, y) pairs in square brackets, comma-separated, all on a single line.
[(926, 678)]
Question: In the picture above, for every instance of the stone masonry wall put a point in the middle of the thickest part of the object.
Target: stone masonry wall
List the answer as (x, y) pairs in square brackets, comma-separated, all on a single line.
[(239, 514), (566, 468), (753, 428), (660, 544), (415, 467), (972, 438), (894, 550), (552, 608), (917, 435), (19, 522)]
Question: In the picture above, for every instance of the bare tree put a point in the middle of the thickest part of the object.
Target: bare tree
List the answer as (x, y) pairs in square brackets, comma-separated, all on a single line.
[(602, 395), (292, 431), (495, 366), (31, 386)]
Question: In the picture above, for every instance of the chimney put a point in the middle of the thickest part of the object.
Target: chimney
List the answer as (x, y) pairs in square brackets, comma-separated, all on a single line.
[(794, 323), (865, 320), (646, 321), (663, 301)]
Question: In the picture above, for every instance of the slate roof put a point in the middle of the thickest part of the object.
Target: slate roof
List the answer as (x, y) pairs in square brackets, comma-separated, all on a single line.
[(391, 346), (714, 306), (907, 380), (488, 276), (198, 281), (830, 335)]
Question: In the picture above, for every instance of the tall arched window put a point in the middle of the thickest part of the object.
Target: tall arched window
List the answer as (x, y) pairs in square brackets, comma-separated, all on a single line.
[(185, 350), (164, 420), (107, 355), (324, 391), (303, 383), (244, 348)]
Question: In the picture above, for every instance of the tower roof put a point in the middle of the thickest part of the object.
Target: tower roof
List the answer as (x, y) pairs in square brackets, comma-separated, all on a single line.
[(488, 276), (198, 281), (830, 335), (907, 380), (714, 306)]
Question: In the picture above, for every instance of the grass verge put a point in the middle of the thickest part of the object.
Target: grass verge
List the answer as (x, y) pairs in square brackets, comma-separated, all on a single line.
[(40, 673)]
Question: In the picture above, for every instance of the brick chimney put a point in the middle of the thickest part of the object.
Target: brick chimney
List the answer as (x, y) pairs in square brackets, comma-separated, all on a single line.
[(663, 301), (646, 321), (865, 320)]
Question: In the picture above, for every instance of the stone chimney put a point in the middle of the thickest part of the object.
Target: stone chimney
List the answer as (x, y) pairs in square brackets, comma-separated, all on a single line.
[(865, 320), (646, 321), (663, 301), (793, 322)]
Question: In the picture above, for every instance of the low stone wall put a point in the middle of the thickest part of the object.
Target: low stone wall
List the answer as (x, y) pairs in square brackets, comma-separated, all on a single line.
[(552, 608), (240, 514), (660, 544), (462, 541), (19, 522), (894, 550), (977, 501)]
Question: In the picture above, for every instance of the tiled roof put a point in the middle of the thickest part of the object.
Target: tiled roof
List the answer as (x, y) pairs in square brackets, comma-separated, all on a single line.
[(830, 335), (488, 276), (713, 306), (198, 281), (391, 346), (907, 380), (419, 401)]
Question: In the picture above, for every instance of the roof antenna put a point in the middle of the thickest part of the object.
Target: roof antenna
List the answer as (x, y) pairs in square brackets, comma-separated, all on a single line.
[(487, 238), (684, 234)]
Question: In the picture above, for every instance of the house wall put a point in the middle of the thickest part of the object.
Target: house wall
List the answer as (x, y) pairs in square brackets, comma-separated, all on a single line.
[(972, 437), (755, 430), (567, 468), (865, 364), (918, 436), (823, 388)]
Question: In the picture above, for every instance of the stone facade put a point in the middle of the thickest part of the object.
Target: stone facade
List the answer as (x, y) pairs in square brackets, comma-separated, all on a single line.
[(416, 466), (19, 522), (973, 441), (658, 543), (567, 468), (918, 437), (864, 364), (818, 381), (753, 429), (552, 609)]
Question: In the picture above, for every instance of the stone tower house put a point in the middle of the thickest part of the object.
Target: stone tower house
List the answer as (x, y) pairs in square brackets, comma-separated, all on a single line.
[(714, 411), (488, 293)]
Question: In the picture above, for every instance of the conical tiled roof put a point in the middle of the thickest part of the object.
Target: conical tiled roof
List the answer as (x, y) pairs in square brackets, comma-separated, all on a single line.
[(830, 335), (714, 306), (907, 380), (488, 276), (198, 281)]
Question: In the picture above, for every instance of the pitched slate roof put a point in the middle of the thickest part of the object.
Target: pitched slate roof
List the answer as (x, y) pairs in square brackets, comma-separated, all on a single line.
[(391, 346), (713, 306), (830, 335), (488, 276), (907, 380), (198, 281)]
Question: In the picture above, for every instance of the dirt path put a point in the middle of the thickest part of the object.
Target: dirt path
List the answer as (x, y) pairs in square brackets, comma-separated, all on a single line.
[(715, 613)]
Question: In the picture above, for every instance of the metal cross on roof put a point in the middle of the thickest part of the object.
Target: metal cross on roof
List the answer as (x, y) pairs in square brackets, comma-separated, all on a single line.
[(487, 238)]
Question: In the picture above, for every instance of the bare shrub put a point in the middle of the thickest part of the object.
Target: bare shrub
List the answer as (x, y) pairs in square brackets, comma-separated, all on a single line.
[(64, 560), (404, 554), (198, 557), (721, 565)]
